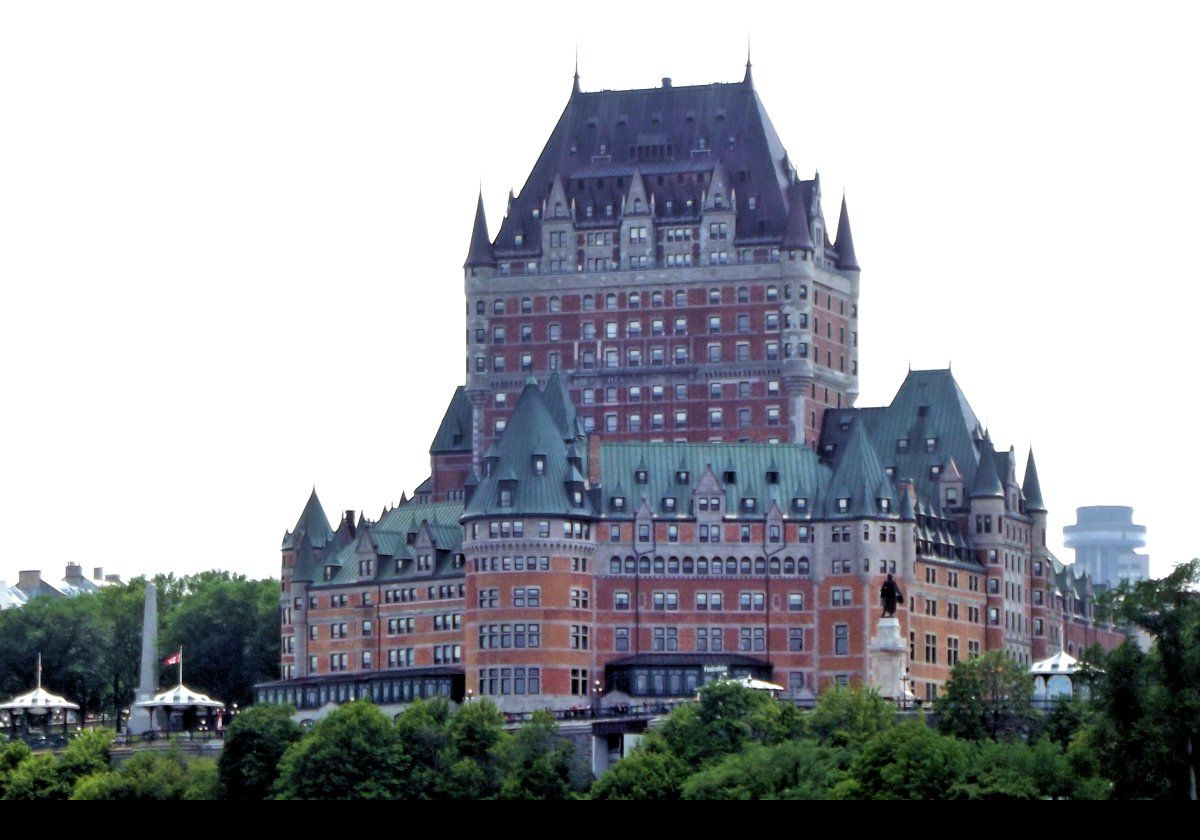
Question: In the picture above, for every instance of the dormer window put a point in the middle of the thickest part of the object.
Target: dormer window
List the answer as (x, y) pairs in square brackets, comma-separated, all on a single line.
[(845, 424), (902, 445), (519, 239), (330, 571), (800, 504), (931, 444), (506, 498), (730, 477), (668, 503), (952, 495), (772, 477), (749, 505), (539, 464), (843, 505), (885, 505), (681, 477), (891, 471), (641, 476), (618, 503), (577, 498), (935, 471)]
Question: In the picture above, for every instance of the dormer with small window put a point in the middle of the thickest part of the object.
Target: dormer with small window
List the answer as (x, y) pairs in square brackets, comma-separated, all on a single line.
[(641, 476), (931, 444), (508, 491), (843, 504), (682, 477), (772, 476), (617, 503), (729, 476), (668, 504), (800, 505), (902, 445), (538, 464), (749, 505), (885, 505)]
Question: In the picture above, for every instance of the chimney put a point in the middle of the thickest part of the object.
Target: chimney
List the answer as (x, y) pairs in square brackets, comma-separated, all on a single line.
[(593, 464), (98, 573), (74, 572), (30, 582), (666, 81)]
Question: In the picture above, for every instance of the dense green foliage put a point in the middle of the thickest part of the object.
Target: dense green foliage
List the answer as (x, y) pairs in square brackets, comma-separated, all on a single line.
[(431, 752), (91, 644), (153, 775), (989, 696), (254, 745)]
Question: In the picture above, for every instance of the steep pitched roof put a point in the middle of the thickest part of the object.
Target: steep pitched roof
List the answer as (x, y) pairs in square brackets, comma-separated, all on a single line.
[(928, 405), (859, 477), (531, 431), (454, 433), (480, 252), (672, 135), (987, 479), (797, 236), (1032, 488), (312, 522), (558, 403), (844, 245)]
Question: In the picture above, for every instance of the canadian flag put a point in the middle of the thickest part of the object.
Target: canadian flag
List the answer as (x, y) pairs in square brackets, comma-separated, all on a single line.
[(174, 658)]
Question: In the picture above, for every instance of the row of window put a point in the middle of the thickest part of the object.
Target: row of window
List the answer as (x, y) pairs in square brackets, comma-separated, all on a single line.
[(634, 300), (713, 639), (704, 566)]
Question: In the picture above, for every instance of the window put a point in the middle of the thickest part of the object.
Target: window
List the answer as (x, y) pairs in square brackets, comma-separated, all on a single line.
[(931, 648), (796, 639), (752, 639), (665, 639), (841, 639), (620, 600), (795, 601), (580, 636), (621, 639)]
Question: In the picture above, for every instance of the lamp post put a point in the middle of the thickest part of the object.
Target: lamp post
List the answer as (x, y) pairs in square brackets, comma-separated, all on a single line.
[(470, 695), (597, 692)]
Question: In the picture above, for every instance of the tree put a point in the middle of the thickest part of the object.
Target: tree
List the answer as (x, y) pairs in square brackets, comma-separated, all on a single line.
[(37, 777), (85, 755), (421, 730), (353, 753), (986, 697), (474, 733), (537, 761), (254, 745), (907, 761), (1169, 609), (849, 717), (144, 776), (651, 772), (728, 715), (800, 769), (12, 753), (229, 629)]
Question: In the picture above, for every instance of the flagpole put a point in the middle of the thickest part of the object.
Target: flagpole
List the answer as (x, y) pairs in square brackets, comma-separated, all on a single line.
[(39, 670), (181, 665)]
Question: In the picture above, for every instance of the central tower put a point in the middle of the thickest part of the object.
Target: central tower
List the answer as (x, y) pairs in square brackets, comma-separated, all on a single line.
[(666, 258)]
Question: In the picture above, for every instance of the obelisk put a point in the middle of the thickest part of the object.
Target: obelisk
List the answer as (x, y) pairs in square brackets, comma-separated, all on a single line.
[(139, 718)]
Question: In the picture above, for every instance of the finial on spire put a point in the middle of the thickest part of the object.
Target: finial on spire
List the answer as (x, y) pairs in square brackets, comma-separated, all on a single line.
[(749, 79), (575, 85)]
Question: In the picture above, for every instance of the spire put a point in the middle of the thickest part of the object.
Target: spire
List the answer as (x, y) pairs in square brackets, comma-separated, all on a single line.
[(844, 245), (575, 85), (987, 482), (1032, 488), (313, 523), (480, 252), (749, 79), (797, 236)]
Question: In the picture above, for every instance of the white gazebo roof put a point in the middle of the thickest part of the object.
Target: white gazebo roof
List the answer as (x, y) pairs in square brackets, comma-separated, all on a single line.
[(760, 685), (38, 701), (1061, 663), (182, 697)]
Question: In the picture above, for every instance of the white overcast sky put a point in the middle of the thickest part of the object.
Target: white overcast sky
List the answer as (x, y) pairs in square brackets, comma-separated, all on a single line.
[(231, 238)]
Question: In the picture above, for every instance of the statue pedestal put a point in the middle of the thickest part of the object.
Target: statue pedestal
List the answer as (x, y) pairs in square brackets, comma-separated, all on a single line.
[(887, 658)]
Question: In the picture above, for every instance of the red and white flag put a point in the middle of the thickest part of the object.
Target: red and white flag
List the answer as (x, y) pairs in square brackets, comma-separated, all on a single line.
[(174, 658)]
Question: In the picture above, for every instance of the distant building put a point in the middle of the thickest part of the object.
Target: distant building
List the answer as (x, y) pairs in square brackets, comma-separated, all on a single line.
[(31, 584), (1104, 539), (10, 596)]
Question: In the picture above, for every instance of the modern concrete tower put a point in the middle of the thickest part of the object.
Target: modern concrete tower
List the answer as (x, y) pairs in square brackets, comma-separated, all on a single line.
[(1104, 538), (139, 719)]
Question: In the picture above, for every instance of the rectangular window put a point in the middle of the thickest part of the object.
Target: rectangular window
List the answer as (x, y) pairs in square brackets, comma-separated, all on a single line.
[(841, 639)]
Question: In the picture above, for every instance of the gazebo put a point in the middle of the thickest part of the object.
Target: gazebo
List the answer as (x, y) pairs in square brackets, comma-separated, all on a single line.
[(1053, 677), (182, 709), (40, 704)]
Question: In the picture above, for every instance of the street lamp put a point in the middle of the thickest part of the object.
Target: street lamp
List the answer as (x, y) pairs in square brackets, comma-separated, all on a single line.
[(597, 691)]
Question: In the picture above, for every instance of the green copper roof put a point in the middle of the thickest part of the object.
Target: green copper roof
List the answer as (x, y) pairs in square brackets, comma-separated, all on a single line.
[(859, 477), (454, 434), (799, 474), (312, 522), (513, 484), (928, 406), (558, 403), (987, 480), (1032, 488)]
